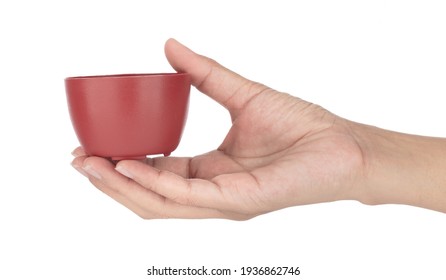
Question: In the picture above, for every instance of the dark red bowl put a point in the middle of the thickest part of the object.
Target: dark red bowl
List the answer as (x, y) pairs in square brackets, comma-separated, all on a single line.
[(128, 116)]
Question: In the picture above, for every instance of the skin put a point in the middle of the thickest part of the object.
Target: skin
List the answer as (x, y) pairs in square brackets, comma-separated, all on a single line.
[(281, 151)]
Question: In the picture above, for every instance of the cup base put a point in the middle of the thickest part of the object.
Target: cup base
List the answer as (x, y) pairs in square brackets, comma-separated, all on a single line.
[(129, 158), (135, 157)]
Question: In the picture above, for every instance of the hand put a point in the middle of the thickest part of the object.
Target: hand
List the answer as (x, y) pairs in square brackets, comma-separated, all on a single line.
[(281, 151)]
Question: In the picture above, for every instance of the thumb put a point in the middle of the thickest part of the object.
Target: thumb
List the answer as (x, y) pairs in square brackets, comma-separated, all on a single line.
[(224, 86)]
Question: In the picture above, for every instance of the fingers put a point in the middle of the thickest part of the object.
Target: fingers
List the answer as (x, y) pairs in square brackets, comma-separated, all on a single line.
[(226, 87), (176, 165), (143, 202), (218, 193), (171, 185), (85, 169)]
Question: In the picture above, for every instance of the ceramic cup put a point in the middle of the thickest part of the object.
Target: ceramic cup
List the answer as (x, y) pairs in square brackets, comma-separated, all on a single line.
[(128, 116)]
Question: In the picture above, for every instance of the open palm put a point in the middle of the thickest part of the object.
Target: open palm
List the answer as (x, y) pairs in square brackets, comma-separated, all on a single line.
[(281, 151)]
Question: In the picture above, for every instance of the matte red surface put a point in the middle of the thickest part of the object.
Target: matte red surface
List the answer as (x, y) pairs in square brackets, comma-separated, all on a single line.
[(130, 115)]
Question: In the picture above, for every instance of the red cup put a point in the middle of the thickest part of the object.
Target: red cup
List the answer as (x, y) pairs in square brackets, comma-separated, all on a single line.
[(128, 116)]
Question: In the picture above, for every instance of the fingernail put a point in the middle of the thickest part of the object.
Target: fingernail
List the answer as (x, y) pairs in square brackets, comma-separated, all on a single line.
[(79, 169), (124, 171), (92, 172), (75, 153), (78, 152)]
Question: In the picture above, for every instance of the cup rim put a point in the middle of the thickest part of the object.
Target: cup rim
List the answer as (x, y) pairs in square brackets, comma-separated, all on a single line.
[(130, 75)]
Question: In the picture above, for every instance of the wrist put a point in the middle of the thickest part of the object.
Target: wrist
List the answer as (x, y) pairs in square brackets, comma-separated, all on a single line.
[(401, 168)]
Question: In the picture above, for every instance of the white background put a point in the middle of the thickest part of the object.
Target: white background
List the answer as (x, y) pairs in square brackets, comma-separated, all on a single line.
[(377, 62)]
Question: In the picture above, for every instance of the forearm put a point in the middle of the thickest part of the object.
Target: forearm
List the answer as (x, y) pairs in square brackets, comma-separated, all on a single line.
[(402, 168)]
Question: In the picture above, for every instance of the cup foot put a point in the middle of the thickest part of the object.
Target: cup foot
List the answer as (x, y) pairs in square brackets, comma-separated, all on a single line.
[(129, 158), (135, 157)]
